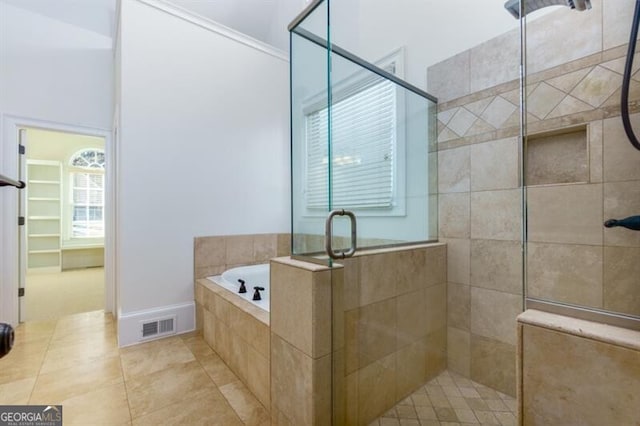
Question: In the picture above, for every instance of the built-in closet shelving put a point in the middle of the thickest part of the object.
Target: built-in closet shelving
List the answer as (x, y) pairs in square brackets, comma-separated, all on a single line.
[(44, 214)]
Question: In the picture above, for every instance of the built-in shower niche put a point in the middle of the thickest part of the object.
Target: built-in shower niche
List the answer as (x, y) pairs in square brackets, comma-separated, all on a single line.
[(557, 157)]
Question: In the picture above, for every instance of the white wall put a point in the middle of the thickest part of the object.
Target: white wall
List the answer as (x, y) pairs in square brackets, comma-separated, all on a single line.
[(203, 149), (54, 73)]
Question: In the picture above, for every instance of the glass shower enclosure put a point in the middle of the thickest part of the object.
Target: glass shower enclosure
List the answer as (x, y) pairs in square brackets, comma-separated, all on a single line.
[(580, 169), (364, 176), (361, 139)]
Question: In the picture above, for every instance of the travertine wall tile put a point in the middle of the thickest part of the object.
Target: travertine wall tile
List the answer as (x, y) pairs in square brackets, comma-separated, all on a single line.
[(436, 343), (493, 314), (555, 365), (459, 306), (436, 307), (291, 305), (434, 266), (621, 199), (453, 170), (544, 50), (377, 331), (411, 368), (301, 308), (486, 356), (377, 278), (454, 215), (265, 247), (621, 161), (239, 249), (565, 214), (213, 255), (558, 158), (494, 165), (496, 215), (441, 76), (300, 386), (543, 99), (596, 151), (209, 251), (622, 280), (498, 112), (565, 273), (461, 122), (495, 61), (616, 20), (372, 402), (412, 317), (458, 259), (497, 265), (459, 351)]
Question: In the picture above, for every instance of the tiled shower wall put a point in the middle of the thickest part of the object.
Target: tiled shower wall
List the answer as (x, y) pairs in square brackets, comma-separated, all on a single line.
[(575, 63)]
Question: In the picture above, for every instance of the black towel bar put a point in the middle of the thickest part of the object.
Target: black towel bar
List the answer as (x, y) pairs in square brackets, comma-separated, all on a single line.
[(5, 181)]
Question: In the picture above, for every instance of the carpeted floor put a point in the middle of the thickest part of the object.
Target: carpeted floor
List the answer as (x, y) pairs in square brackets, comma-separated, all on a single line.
[(53, 295)]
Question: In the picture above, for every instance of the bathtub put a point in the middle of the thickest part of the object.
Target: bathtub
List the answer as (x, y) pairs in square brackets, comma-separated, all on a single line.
[(254, 276)]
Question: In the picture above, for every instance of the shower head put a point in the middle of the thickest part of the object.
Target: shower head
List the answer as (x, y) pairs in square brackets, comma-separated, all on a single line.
[(513, 6)]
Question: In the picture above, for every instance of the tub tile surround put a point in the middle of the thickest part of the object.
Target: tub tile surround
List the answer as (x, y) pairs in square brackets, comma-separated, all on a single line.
[(571, 256), (236, 329), (559, 354), (215, 254), (239, 333)]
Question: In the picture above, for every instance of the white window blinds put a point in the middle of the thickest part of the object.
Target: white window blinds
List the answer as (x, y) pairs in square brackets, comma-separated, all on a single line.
[(363, 123)]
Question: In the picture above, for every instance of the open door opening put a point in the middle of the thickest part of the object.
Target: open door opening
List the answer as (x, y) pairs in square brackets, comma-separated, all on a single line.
[(62, 241)]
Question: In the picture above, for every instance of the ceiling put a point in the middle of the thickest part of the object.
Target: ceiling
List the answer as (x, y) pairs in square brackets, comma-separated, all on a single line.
[(98, 16), (264, 20)]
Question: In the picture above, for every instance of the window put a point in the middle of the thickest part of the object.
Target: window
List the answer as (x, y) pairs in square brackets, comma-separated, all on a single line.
[(364, 146), (87, 187)]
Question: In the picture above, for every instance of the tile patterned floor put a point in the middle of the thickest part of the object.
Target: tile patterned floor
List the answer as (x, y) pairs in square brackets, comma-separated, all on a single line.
[(75, 361), (452, 400)]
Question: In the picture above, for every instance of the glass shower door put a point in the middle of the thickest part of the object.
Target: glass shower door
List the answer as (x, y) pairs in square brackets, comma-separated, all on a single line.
[(364, 147), (310, 166)]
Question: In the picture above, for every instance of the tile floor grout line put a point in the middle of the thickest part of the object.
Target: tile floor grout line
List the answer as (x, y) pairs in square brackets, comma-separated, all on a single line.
[(124, 384), (44, 357)]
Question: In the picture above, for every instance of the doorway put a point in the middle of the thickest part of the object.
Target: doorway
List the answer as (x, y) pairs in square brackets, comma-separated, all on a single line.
[(62, 246)]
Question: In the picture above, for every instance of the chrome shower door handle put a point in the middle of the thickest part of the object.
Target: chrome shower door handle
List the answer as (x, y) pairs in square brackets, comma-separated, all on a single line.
[(328, 234)]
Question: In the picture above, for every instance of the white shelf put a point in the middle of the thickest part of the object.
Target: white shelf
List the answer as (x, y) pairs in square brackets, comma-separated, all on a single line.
[(44, 212), (45, 182), (88, 247)]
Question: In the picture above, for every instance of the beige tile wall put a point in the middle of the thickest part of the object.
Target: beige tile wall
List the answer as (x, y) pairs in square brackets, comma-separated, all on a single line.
[(577, 372), (239, 332), (389, 333), (213, 255), (301, 342), (394, 329), (572, 258)]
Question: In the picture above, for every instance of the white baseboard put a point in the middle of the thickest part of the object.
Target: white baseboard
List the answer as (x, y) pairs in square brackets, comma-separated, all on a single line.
[(129, 324)]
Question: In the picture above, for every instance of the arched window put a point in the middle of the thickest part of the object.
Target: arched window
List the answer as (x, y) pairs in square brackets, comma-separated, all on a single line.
[(88, 159), (87, 180)]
